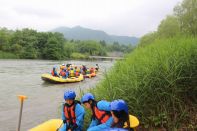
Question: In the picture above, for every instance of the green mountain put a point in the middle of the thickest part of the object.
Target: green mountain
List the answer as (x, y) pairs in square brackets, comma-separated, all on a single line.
[(80, 33)]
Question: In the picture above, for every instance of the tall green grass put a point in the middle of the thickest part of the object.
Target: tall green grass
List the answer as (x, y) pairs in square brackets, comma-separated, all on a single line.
[(159, 83)]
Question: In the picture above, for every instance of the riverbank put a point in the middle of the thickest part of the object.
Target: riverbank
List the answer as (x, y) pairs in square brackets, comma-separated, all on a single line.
[(7, 55), (158, 82)]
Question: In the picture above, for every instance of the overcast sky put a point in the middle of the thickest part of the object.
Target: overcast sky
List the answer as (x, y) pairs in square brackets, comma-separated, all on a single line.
[(118, 17)]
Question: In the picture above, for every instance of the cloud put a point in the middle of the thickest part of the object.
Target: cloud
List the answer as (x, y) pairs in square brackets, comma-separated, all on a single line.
[(38, 12), (119, 17)]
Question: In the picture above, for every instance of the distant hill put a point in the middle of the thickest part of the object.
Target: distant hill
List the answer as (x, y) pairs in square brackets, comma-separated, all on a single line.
[(80, 33)]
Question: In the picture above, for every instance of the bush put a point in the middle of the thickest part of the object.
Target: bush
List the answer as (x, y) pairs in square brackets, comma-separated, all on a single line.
[(7, 55), (76, 55)]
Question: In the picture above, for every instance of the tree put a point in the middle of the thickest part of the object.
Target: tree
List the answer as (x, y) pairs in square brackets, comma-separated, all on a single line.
[(29, 52), (169, 27), (187, 16), (116, 46), (4, 37), (53, 49), (103, 43)]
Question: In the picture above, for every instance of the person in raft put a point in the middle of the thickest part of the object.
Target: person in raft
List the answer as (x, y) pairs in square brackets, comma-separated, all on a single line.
[(72, 113), (97, 67), (101, 116), (54, 72), (122, 121)]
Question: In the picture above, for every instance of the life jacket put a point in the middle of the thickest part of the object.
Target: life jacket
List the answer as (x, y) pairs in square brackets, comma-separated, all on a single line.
[(77, 73), (72, 73), (62, 73), (78, 70), (52, 73), (69, 112), (100, 115), (91, 70)]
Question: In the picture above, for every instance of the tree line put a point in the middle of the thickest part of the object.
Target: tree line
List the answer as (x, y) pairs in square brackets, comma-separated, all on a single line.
[(30, 44)]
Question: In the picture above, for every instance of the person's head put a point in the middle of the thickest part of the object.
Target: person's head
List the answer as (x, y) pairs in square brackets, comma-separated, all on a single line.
[(54, 67), (69, 97), (87, 100), (119, 111)]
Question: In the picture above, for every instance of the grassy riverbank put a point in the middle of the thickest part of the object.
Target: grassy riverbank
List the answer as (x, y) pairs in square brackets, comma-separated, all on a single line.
[(159, 83), (7, 55)]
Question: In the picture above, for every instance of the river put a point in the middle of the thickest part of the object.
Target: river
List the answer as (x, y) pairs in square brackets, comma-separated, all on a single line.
[(44, 99)]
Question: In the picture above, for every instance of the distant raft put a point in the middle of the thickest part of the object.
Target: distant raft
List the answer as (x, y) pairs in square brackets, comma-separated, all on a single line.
[(89, 75), (52, 79), (50, 125)]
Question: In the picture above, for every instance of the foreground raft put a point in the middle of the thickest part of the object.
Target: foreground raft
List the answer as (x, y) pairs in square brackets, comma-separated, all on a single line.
[(54, 124), (50, 125), (52, 79)]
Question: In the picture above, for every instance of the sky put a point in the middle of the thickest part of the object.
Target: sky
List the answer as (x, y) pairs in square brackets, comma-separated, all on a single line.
[(115, 17)]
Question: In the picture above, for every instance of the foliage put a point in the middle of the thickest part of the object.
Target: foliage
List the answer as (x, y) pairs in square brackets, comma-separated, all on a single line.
[(187, 16), (169, 27), (30, 44), (7, 55), (76, 55), (147, 39), (158, 82)]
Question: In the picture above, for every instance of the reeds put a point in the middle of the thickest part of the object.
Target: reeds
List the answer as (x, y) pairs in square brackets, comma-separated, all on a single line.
[(159, 83)]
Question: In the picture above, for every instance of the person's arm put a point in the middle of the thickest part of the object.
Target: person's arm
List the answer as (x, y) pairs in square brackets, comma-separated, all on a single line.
[(101, 127), (104, 105), (93, 123), (63, 116), (79, 112)]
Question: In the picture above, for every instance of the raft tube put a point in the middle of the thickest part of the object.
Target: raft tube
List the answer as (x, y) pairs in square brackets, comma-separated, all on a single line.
[(49, 78), (50, 125), (89, 75)]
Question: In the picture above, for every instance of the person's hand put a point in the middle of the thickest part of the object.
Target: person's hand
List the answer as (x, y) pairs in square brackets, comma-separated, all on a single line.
[(69, 130)]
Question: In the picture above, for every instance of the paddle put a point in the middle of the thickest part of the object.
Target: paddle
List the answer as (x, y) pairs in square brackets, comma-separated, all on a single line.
[(59, 127), (21, 98)]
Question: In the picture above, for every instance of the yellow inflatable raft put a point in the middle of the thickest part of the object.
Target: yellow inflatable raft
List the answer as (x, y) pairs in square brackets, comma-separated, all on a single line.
[(50, 125), (53, 79), (89, 75), (134, 122), (54, 124)]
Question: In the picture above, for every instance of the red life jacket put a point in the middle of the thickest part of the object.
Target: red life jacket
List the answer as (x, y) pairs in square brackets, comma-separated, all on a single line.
[(69, 112), (91, 70), (52, 73), (62, 73), (100, 115), (77, 73)]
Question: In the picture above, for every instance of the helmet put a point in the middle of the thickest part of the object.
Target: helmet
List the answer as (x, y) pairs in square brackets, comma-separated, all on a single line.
[(119, 105), (54, 67), (87, 97), (69, 95)]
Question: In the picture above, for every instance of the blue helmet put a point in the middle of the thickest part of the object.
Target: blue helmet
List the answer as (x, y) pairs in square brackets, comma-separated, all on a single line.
[(69, 95), (87, 97), (119, 105)]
